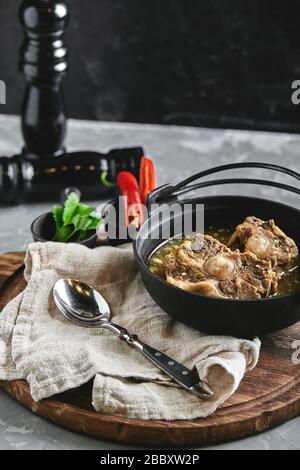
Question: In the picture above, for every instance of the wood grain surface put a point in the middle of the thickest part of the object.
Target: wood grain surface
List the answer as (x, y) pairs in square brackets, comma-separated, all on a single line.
[(269, 395)]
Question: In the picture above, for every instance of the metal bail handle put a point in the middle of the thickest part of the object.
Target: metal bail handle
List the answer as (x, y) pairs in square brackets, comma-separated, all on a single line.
[(169, 193)]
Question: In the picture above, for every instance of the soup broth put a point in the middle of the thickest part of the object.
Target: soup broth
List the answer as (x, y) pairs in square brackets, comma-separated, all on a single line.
[(289, 283)]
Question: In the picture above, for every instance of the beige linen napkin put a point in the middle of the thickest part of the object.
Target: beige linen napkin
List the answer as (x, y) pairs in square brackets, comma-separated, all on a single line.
[(39, 345)]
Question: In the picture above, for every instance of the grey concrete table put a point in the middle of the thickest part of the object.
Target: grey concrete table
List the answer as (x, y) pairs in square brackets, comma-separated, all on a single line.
[(177, 152)]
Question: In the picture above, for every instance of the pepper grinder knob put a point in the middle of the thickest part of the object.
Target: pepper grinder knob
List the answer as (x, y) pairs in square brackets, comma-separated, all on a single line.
[(43, 61)]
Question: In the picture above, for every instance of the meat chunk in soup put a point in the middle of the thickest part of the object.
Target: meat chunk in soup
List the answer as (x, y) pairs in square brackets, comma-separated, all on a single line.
[(206, 266), (266, 241)]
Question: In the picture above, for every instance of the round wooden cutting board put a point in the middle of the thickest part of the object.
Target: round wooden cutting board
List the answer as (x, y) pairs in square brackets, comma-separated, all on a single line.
[(269, 395)]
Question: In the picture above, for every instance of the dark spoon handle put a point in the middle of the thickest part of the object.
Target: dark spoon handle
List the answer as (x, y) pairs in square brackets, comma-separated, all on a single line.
[(180, 374)]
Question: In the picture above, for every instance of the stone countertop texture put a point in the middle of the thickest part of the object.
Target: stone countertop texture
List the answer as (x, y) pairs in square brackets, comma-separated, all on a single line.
[(177, 152)]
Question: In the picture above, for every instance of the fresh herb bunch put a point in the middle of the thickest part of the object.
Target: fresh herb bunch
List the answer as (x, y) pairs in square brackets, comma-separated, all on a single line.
[(74, 220)]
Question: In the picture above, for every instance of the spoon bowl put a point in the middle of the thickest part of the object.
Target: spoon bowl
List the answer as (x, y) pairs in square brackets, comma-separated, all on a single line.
[(80, 303)]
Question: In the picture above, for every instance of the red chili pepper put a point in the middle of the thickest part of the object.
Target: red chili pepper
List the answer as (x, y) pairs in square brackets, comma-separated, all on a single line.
[(147, 178), (129, 188)]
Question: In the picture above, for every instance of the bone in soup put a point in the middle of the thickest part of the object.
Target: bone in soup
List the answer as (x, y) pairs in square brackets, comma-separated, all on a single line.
[(218, 264)]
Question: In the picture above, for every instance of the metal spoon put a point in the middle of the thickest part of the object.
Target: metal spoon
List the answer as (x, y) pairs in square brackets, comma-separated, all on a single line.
[(83, 305)]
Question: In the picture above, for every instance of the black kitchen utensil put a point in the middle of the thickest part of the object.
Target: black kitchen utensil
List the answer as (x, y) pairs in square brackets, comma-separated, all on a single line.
[(243, 318), (45, 167)]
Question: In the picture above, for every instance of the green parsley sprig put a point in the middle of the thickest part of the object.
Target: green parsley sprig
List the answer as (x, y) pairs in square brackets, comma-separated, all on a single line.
[(74, 221)]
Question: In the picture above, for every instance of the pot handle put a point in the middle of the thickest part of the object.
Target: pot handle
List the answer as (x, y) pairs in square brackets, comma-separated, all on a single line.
[(169, 193)]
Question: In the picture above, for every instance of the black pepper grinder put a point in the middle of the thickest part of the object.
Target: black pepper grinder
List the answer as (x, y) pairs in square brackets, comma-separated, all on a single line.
[(44, 167), (43, 61)]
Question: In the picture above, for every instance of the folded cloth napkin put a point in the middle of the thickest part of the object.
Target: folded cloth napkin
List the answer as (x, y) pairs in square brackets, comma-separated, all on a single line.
[(53, 355)]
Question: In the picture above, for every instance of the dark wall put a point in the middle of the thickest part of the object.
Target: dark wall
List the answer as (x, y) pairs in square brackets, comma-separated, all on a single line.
[(197, 62)]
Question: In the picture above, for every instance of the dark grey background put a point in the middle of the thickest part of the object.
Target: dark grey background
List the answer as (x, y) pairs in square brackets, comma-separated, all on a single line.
[(196, 62)]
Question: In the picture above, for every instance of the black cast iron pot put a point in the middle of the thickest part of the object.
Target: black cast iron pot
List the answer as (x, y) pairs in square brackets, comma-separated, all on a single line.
[(243, 318)]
